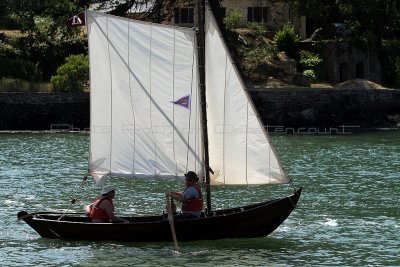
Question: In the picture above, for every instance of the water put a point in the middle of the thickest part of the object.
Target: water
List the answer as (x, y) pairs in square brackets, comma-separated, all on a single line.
[(348, 214)]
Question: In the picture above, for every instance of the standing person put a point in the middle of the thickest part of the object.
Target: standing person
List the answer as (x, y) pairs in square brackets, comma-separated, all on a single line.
[(102, 210), (191, 198)]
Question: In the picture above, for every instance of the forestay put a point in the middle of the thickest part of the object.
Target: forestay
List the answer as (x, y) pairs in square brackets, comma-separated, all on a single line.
[(239, 149), (144, 99)]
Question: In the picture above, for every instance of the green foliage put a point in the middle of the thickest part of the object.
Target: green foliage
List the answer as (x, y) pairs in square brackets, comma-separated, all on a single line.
[(7, 21), (286, 40), (232, 19), (73, 75), (310, 74), (374, 19), (257, 53), (18, 85), (391, 62), (312, 66), (19, 68), (257, 27), (312, 61), (45, 39), (370, 17)]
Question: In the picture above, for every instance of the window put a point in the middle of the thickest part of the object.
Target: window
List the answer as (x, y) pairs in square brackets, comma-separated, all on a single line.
[(184, 15), (257, 14)]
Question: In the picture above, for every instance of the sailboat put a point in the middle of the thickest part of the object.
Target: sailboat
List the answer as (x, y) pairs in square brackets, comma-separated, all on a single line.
[(152, 117)]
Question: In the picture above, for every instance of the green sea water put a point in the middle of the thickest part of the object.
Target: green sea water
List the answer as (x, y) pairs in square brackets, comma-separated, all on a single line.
[(348, 215)]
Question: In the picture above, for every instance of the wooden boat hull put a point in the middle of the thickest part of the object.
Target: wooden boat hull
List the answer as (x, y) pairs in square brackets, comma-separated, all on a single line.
[(257, 220)]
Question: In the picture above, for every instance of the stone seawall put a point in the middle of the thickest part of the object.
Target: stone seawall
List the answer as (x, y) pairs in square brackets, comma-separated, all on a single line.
[(364, 108), (44, 111), (277, 107)]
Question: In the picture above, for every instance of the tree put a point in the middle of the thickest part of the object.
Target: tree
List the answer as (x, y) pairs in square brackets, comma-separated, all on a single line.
[(73, 75), (153, 8), (286, 40), (233, 18), (46, 39), (371, 19), (117, 7)]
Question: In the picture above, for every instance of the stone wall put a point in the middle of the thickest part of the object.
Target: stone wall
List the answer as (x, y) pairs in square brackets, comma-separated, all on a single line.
[(295, 108), (44, 111)]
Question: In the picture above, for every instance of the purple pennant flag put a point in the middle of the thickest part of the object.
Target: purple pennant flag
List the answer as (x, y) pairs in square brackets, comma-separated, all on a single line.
[(183, 102)]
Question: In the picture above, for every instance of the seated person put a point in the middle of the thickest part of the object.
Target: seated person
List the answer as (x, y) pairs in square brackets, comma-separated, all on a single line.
[(191, 198), (102, 210)]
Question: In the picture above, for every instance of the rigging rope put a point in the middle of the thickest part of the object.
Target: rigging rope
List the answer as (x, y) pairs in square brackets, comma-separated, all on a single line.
[(74, 199)]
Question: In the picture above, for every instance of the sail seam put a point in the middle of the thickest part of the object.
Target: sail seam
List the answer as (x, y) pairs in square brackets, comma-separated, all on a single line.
[(188, 141), (173, 106), (131, 100), (247, 142), (151, 96), (269, 161), (88, 29), (224, 119), (111, 96), (190, 118), (197, 114)]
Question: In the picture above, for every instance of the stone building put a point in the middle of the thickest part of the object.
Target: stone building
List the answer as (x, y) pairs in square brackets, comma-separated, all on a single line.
[(273, 13), (344, 61)]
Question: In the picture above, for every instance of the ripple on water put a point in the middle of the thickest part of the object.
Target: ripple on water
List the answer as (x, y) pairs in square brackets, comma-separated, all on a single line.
[(347, 215)]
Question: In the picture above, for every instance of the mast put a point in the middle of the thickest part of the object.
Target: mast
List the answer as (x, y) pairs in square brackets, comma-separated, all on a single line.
[(202, 86)]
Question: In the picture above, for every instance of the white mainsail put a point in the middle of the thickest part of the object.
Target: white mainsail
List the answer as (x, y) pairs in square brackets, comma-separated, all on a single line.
[(144, 99), (145, 114), (239, 149)]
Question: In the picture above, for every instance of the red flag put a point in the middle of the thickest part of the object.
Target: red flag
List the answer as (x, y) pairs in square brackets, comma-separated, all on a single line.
[(77, 20)]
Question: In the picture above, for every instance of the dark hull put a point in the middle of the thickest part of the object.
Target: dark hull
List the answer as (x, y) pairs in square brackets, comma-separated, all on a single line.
[(256, 220)]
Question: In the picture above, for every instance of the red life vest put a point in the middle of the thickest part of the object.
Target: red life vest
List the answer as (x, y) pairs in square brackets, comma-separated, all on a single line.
[(94, 212), (194, 204)]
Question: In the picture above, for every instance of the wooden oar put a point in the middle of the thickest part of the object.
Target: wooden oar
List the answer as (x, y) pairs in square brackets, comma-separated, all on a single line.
[(171, 222)]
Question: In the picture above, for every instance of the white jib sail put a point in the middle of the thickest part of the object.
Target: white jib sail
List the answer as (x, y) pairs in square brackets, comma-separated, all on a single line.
[(238, 146), (144, 99)]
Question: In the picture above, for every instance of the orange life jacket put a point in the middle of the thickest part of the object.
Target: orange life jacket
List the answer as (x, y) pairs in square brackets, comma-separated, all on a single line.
[(95, 212), (194, 204)]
